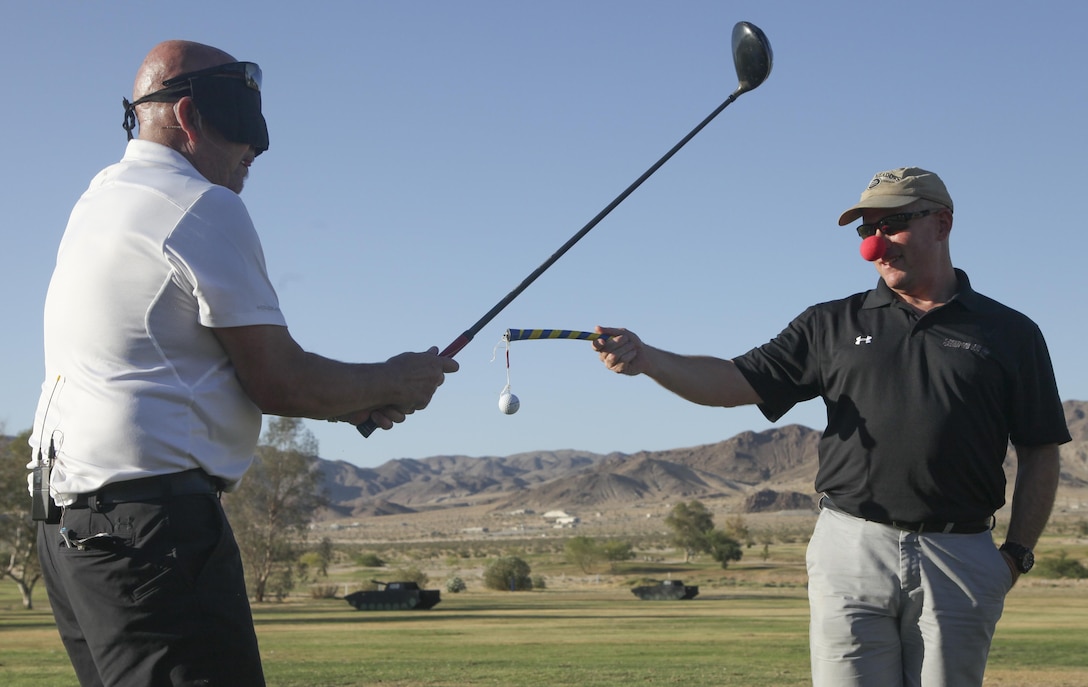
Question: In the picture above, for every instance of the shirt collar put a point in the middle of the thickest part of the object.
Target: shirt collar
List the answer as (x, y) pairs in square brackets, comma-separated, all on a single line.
[(966, 296), (156, 153)]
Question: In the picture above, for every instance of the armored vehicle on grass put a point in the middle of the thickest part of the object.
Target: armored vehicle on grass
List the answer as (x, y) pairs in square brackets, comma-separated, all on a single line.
[(667, 590), (395, 596)]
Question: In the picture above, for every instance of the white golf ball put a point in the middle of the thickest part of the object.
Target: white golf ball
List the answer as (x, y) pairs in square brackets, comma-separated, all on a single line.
[(509, 403)]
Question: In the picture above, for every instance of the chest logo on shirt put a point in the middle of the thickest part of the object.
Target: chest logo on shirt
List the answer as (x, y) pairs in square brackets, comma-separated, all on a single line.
[(966, 346), (863, 340)]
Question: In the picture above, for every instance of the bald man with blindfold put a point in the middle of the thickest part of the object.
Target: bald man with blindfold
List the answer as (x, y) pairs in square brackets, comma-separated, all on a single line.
[(164, 346)]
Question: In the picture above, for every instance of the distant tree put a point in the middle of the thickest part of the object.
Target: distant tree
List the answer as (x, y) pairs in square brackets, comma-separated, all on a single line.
[(737, 528), (508, 573), (689, 523), (306, 567), (18, 532), (583, 552), (325, 554), (315, 563), (615, 551), (272, 509), (722, 547)]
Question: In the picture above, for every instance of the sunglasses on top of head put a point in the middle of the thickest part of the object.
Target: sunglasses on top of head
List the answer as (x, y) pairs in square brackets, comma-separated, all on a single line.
[(248, 72), (893, 224)]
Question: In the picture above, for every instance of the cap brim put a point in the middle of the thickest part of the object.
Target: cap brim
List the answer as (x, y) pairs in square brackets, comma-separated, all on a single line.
[(874, 202)]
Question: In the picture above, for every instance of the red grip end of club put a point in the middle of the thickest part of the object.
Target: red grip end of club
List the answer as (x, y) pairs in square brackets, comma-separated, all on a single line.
[(455, 347), (873, 248)]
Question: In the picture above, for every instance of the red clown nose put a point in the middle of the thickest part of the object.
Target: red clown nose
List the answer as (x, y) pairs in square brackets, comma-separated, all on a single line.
[(873, 248)]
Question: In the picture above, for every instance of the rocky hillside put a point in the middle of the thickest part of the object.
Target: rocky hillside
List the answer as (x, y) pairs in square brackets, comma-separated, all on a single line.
[(770, 470), (773, 469), (558, 479), (1075, 453)]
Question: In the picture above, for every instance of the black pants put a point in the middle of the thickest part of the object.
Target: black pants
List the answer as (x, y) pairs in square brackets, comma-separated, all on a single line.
[(157, 598)]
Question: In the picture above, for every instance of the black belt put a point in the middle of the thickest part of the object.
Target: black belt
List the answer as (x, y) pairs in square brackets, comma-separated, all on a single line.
[(154, 488), (924, 527)]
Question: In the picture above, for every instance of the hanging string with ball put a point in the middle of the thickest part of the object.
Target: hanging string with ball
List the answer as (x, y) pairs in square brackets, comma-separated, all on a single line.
[(508, 402)]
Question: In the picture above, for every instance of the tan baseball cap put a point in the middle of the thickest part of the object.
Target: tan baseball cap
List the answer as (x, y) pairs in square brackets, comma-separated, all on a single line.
[(896, 188)]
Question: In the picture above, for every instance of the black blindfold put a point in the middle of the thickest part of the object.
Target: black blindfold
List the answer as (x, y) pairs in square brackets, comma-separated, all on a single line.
[(227, 95)]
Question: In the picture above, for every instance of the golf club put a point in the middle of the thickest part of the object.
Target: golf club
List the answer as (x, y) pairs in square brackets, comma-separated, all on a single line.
[(752, 58)]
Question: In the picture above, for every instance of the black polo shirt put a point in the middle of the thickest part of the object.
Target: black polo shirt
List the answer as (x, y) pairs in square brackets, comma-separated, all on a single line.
[(920, 409)]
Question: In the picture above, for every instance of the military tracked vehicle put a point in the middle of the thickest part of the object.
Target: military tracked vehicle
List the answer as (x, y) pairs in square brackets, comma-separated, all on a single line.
[(395, 596), (668, 590)]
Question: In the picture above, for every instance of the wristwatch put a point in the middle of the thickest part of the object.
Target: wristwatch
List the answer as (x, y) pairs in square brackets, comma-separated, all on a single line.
[(1022, 556)]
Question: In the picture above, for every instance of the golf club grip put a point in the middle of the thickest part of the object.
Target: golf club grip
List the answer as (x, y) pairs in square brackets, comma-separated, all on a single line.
[(367, 427)]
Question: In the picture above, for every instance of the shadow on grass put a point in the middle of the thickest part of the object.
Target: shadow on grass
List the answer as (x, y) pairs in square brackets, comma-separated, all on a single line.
[(516, 608)]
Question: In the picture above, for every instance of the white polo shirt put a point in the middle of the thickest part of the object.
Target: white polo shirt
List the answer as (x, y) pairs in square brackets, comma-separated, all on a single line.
[(136, 384)]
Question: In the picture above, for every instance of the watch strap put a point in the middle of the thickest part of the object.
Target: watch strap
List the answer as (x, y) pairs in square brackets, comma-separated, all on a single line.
[(1023, 556)]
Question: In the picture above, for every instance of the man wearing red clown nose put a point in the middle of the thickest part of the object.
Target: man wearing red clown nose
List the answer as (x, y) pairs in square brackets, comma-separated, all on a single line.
[(925, 382)]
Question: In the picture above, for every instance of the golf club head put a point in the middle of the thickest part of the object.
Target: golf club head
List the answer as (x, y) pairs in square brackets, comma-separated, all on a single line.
[(752, 56)]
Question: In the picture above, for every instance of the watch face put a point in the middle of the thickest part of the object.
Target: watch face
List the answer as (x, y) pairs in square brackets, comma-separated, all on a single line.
[(1027, 561)]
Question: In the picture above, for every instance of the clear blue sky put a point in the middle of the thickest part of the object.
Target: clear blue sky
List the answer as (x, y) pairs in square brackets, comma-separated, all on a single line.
[(427, 155)]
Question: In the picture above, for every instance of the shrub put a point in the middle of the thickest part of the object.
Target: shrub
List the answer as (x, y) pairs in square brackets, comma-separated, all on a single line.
[(508, 573), (410, 574), (1062, 566), (369, 560), (455, 584), (324, 591)]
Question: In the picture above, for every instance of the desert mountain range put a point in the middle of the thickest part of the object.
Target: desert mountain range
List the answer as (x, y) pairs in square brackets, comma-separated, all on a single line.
[(770, 470)]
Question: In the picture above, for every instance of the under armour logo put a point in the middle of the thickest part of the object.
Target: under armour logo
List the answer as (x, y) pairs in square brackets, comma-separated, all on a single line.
[(863, 340)]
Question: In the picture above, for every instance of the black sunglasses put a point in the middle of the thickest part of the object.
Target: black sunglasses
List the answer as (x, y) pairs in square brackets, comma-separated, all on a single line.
[(892, 224), (246, 71)]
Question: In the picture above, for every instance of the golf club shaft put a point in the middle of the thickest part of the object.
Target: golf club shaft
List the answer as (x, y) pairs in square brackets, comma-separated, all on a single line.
[(367, 428)]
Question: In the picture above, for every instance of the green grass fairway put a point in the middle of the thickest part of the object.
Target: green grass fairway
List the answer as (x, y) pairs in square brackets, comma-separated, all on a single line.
[(598, 638)]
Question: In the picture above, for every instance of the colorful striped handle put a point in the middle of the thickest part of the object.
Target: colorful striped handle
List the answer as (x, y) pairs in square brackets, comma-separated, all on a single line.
[(526, 334)]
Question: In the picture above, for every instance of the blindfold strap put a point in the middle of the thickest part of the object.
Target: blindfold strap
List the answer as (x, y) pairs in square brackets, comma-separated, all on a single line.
[(165, 95), (228, 104)]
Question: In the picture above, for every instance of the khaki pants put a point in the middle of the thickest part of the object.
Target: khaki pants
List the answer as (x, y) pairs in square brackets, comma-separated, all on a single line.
[(896, 609)]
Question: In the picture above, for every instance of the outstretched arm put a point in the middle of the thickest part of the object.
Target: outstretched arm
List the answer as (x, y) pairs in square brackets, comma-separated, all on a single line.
[(705, 380), (283, 379)]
